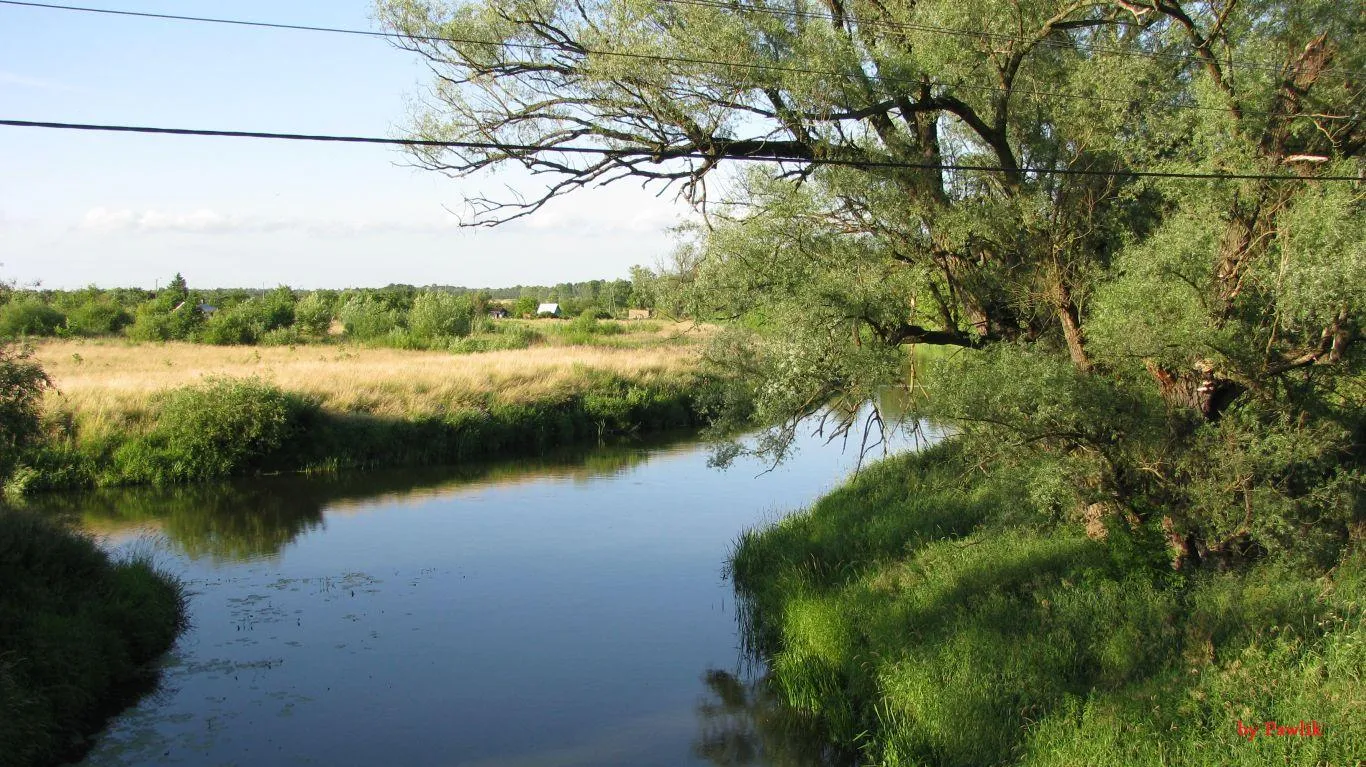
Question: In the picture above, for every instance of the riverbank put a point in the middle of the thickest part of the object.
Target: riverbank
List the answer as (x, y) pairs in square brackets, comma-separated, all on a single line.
[(927, 616), (78, 631), (121, 414)]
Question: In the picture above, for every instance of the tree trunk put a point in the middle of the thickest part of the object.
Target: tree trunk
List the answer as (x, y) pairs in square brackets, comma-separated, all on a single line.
[(1199, 390), (1071, 330)]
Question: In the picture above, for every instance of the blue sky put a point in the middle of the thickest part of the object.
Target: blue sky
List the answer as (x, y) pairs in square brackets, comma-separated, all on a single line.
[(108, 209)]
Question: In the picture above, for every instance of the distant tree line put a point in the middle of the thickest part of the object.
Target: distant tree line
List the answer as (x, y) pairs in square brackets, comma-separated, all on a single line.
[(405, 316)]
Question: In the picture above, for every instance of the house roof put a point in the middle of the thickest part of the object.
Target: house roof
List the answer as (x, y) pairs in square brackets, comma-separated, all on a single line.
[(205, 308), (548, 309)]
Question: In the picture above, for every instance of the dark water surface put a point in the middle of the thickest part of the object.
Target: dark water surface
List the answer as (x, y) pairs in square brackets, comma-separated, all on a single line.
[(548, 612)]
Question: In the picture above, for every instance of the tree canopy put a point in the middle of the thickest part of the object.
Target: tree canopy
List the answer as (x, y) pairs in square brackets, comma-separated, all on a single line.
[(1115, 210)]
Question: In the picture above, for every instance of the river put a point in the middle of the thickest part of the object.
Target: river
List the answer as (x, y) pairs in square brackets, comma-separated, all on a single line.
[(562, 611)]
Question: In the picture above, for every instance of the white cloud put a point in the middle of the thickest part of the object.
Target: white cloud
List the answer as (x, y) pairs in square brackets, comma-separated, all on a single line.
[(202, 220), (207, 221), (587, 214), (105, 220)]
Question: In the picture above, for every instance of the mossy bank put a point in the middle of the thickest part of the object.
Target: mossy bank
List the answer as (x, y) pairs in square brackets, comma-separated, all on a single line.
[(927, 616), (227, 427), (78, 632)]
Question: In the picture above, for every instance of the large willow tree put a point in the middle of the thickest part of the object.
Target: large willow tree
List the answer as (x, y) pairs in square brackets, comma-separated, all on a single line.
[(986, 176)]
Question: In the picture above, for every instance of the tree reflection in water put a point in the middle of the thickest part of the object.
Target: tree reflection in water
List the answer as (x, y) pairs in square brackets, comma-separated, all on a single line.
[(259, 517), (745, 723)]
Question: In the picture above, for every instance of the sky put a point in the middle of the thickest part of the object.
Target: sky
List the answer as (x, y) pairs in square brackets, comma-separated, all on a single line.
[(80, 209)]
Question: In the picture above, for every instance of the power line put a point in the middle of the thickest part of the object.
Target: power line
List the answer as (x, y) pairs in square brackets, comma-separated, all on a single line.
[(660, 155), (887, 80)]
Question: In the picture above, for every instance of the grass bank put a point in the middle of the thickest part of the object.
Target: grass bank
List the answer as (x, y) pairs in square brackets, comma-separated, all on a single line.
[(77, 634), (123, 414), (929, 614)]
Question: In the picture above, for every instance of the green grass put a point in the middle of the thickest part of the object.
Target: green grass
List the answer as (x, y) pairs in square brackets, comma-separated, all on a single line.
[(233, 427), (77, 632), (928, 615)]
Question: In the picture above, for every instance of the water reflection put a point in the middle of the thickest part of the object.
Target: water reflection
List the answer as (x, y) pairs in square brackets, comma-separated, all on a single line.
[(258, 518), (745, 723), (564, 611)]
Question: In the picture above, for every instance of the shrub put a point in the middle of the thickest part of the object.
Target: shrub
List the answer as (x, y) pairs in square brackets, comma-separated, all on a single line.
[(440, 315), (21, 389), (29, 317), (367, 318), (156, 322), (97, 318), (313, 314), (524, 307), (276, 308), (241, 324), (584, 328), (226, 426), (282, 337)]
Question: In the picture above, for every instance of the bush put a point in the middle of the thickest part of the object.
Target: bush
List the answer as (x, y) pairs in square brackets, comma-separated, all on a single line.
[(524, 307), (29, 317), (276, 308), (437, 315), (289, 336), (21, 389), (227, 426), (97, 318), (366, 318), (313, 314), (241, 324), (156, 322)]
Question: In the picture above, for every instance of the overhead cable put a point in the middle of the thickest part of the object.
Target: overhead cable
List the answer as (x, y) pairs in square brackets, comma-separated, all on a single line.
[(662, 154), (660, 58)]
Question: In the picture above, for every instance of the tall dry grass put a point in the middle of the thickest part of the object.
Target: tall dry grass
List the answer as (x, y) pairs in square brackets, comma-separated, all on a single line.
[(109, 384)]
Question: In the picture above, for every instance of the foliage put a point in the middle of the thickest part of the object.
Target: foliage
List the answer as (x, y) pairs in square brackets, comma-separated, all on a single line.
[(77, 631), (277, 308), (375, 408), (22, 383), (1190, 311), (445, 317), (224, 427), (172, 315), (29, 317), (926, 617), (524, 307), (98, 317), (313, 314), (367, 318), (241, 324), (437, 315)]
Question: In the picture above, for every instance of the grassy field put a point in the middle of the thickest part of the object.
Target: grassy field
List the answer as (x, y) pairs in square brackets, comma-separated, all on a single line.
[(111, 384), (925, 613), (124, 413)]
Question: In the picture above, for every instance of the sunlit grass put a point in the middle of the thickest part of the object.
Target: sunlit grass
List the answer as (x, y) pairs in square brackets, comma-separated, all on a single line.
[(112, 385), (925, 621)]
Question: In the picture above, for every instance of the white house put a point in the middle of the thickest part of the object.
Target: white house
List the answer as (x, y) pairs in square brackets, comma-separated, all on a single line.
[(552, 309)]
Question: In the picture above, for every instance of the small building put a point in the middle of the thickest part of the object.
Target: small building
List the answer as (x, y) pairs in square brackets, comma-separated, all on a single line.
[(498, 312), (552, 310), (637, 314), (204, 309)]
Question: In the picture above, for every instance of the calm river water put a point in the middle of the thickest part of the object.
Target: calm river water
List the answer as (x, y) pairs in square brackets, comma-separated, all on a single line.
[(567, 611)]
